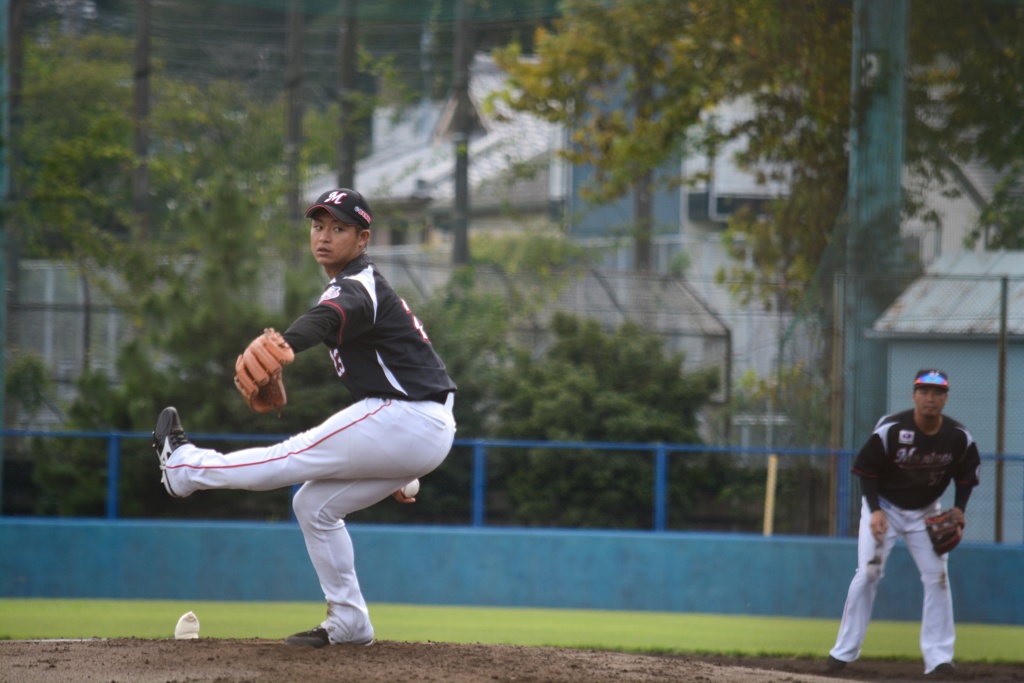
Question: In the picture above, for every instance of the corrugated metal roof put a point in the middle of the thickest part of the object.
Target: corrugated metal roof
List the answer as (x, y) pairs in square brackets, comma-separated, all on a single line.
[(960, 295), (662, 303), (423, 164)]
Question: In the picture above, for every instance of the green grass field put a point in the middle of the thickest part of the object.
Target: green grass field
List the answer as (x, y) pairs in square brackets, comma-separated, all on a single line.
[(609, 630)]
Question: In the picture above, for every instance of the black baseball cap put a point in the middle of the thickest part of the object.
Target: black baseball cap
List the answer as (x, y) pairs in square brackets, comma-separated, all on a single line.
[(930, 377), (346, 205)]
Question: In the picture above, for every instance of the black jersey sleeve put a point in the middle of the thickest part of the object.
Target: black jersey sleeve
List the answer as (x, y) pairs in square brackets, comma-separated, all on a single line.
[(867, 466), (968, 467), (312, 328), (963, 494), (966, 475), (869, 460), (869, 489)]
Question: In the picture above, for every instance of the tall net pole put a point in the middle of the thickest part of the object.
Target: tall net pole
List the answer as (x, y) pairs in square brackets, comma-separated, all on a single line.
[(4, 138), (460, 88), (873, 245)]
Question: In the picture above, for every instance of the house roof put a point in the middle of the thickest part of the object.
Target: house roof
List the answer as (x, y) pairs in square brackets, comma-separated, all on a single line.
[(415, 158), (959, 295), (663, 303)]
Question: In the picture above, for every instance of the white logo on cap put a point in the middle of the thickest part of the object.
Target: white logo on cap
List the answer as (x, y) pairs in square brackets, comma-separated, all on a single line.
[(336, 197)]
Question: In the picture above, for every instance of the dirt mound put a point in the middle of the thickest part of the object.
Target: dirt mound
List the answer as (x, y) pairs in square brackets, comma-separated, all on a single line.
[(137, 660)]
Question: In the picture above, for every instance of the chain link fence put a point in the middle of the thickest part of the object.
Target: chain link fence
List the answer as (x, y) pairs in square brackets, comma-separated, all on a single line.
[(778, 462)]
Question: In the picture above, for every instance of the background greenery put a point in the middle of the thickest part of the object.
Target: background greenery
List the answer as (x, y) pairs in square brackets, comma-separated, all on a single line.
[(188, 279)]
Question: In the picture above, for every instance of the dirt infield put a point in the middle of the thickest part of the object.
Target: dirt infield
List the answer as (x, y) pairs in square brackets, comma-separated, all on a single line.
[(134, 660)]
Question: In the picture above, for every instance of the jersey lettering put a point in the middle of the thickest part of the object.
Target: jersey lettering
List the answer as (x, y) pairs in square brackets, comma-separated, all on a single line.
[(913, 469), (417, 325), (339, 366)]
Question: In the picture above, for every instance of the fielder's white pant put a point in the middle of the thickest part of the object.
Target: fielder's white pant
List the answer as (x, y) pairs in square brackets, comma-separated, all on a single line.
[(937, 630), (358, 457)]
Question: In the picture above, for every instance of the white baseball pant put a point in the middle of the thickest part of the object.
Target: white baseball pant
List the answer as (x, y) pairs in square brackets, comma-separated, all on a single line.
[(937, 628), (358, 457)]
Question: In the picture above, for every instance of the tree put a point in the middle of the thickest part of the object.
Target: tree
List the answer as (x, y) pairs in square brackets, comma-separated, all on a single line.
[(73, 172), (968, 104), (74, 176), (74, 203), (791, 61), (629, 82), (793, 66), (193, 323), (470, 329), (28, 384), (963, 105), (594, 386)]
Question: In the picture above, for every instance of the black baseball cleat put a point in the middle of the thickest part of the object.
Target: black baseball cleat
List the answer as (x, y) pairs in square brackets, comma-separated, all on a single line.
[(317, 638), (834, 664), (944, 670), (167, 438)]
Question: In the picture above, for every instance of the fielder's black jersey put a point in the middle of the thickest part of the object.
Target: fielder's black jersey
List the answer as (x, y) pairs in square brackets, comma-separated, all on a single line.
[(913, 469), (378, 347)]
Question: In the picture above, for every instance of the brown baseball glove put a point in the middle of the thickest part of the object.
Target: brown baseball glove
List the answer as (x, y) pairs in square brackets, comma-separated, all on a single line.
[(258, 371), (945, 530)]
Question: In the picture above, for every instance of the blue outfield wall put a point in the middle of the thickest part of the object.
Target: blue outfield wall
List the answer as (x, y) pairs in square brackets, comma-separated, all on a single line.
[(665, 572)]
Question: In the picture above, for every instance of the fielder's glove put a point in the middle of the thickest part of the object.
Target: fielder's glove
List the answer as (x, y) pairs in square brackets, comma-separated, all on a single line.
[(945, 530), (258, 371)]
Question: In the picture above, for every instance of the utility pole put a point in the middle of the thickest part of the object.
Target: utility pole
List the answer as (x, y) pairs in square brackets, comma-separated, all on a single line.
[(461, 126), (295, 26), (140, 179), (348, 92), (643, 200), (4, 200)]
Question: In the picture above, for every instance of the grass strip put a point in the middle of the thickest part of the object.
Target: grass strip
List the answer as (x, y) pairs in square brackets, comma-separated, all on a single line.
[(655, 632)]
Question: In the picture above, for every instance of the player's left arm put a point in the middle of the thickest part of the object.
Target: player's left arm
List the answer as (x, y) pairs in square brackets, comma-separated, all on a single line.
[(311, 328), (962, 495), (966, 474), (344, 311)]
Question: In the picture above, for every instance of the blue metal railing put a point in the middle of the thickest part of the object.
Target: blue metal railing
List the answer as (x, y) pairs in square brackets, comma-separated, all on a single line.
[(479, 448), (660, 453)]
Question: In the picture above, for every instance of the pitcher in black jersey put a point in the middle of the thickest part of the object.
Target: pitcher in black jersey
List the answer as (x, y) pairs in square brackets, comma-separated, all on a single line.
[(399, 428), (904, 468)]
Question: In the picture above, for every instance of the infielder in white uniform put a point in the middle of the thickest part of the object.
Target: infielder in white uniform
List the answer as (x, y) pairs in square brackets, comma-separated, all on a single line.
[(904, 468), (399, 428)]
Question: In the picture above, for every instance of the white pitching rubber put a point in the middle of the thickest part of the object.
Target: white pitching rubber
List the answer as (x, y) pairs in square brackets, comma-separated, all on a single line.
[(188, 627)]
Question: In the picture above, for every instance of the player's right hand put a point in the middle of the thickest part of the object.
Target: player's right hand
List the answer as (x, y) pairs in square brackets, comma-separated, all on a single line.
[(879, 525), (402, 498)]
